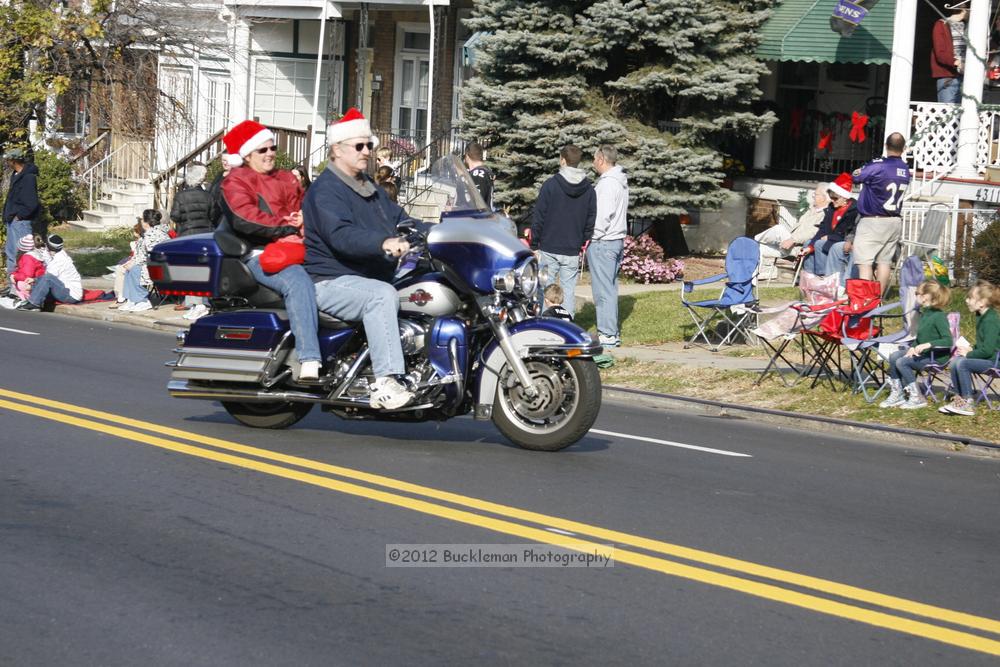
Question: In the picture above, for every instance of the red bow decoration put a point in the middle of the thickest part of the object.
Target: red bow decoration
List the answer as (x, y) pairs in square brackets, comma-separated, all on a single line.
[(795, 123), (858, 123), (825, 139)]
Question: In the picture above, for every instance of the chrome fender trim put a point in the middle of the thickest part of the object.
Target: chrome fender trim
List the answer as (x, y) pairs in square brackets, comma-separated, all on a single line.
[(523, 342)]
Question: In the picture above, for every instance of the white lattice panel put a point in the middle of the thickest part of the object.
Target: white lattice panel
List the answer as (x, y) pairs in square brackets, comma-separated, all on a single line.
[(934, 142), (988, 145)]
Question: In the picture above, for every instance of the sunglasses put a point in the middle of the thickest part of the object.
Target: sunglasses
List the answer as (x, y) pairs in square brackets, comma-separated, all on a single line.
[(267, 149), (361, 146)]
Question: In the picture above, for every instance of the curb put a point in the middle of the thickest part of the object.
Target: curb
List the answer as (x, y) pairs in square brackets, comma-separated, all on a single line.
[(113, 316), (892, 434)]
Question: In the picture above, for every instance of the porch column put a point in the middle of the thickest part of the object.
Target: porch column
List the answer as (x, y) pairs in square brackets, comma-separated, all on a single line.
[(430, 79), (976, 35), (762, 146), (239, 67), (897, 109), (318, 120)]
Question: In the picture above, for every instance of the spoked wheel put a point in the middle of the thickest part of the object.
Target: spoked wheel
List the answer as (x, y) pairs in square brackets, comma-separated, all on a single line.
[(564, 408), (279, 414)]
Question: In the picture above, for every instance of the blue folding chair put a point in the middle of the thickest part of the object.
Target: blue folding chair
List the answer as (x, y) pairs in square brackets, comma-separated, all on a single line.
[(737, 303)]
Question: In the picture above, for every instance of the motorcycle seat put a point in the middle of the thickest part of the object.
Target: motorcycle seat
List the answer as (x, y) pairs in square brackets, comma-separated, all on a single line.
[(325, 321)]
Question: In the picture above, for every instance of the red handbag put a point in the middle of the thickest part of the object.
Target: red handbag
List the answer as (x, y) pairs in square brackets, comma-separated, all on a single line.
[(280, 255)]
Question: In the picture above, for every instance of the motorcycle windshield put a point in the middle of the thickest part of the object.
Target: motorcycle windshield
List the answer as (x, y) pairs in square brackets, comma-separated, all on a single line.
[(450, 183)]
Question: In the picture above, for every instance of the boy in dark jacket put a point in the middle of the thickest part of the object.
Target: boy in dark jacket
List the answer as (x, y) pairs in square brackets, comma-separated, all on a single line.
[(563, 221)]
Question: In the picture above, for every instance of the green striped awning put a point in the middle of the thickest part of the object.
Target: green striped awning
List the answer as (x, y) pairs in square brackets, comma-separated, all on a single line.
[(800, 30)]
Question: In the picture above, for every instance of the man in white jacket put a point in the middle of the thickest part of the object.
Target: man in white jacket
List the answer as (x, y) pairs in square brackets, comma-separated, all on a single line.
[(61, 280), (604, 253)]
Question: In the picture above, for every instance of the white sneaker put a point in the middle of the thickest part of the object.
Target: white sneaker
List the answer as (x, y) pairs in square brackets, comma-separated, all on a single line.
[(309, 370), (388, 393), (141, 306), (197, 311), (608, 341), (127, 306)]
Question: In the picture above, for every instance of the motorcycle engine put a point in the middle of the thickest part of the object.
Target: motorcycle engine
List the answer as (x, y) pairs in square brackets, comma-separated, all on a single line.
[(413, 337)]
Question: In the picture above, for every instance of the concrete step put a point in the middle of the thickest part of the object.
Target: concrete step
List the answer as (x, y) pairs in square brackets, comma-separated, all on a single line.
[(101, 220), (86, 225), (133, 196)]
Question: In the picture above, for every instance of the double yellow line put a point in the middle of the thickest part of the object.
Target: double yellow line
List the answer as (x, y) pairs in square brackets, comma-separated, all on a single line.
[(815, 594)]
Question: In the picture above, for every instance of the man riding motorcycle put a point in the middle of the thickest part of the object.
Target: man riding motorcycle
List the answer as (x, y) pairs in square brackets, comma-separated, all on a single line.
[(351, 251)]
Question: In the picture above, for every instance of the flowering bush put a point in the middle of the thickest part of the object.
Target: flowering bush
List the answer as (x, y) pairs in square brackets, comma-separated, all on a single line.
[(643, 261)]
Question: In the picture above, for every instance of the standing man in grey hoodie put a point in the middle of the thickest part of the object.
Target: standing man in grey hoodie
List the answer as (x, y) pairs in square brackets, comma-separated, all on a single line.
[(563, 221), (604, 254)]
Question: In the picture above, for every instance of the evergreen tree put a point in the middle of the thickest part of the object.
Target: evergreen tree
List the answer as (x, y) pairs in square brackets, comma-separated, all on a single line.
[(665, 81)]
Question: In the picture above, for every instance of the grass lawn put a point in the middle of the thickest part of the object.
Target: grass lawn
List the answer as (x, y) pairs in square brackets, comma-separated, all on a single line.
[(93, 252), (653, 318), (738, 387)]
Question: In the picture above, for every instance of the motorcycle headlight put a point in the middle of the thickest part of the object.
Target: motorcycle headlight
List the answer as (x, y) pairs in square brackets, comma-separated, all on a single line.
[(504, 281), (527, 276)]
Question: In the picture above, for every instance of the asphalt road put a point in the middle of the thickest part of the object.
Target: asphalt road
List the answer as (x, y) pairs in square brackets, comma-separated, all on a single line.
[(140, 529)]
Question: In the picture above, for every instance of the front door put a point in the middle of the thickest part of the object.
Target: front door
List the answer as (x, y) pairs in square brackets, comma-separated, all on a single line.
[(412, 79)]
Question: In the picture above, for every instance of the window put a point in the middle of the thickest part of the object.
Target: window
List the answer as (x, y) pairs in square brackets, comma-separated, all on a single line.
[(283, 92), (412, 79)]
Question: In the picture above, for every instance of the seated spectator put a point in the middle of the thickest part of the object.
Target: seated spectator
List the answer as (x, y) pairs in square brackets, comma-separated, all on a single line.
[(118, 271), (301, 173), (61, 280), (933, 331), (838, 225), (137, 281), (788, 238), (30, 267), (982, 299), (553, 303), (194, 208)]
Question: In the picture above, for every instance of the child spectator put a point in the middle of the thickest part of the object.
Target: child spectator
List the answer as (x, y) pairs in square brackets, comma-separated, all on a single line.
[(982, 299), (118, 272), (553, 300), (30, 266), (932, 332), (383, 158), (137, 281), (61, 280)]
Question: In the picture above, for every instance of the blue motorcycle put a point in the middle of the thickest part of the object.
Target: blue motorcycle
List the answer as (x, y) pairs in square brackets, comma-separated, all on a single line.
[(471, 337)]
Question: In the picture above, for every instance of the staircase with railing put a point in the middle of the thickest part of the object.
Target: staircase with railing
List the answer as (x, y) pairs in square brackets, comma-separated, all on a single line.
[(117, 185)]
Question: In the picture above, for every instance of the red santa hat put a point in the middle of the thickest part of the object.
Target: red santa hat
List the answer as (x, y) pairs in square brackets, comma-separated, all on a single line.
[(842, 186), (351, 126), (245, 138)]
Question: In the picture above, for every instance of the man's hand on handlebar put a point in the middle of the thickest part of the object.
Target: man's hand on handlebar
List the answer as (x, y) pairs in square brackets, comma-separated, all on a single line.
[(395, 246)]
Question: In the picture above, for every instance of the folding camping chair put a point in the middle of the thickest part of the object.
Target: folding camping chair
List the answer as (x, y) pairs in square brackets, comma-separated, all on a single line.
[(986, 379), (868, 355), (736, 304), (776, 334), (851, 320), (940, 358)]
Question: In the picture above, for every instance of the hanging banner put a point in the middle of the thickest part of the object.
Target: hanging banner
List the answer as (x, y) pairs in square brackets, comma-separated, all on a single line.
[(848, 15)]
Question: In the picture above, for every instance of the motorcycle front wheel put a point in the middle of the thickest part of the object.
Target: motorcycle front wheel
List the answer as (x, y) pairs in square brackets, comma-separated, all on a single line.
[(564, 408), (279, 414)]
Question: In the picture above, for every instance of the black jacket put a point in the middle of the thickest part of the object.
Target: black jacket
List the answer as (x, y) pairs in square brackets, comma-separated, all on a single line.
[(22, 198), (194, 211), (564, 216), (844, 229)]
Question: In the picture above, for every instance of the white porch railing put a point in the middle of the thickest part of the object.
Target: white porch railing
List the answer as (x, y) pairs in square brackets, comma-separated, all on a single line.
[(934, 142), (129, 161)]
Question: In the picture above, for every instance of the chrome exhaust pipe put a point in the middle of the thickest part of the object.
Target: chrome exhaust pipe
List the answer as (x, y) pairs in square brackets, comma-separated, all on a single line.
[(183, 389)]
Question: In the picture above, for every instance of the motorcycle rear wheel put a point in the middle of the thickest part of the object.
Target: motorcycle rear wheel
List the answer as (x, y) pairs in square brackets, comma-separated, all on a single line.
[(279, 414), (565, 409)]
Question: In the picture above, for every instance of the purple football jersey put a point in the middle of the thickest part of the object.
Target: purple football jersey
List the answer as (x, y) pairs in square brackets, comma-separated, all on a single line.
[(883, 184)]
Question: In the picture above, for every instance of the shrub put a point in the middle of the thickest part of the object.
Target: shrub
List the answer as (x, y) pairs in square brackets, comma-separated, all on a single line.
[(986, 252), (56, 189), (643, 261)]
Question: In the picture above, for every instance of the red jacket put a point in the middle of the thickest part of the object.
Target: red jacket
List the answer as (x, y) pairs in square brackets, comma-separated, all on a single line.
[(259, 204), (28, 266), (942, 52)]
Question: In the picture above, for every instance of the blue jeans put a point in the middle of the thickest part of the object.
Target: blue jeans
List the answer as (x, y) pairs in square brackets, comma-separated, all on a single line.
[(949, 90), (16, 230), (563, 269), (815, 263), (962, 369), (296, 288), (838, 262), (48, 285), (132, 288), (604, 259), (375, 303), (904, 368)]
